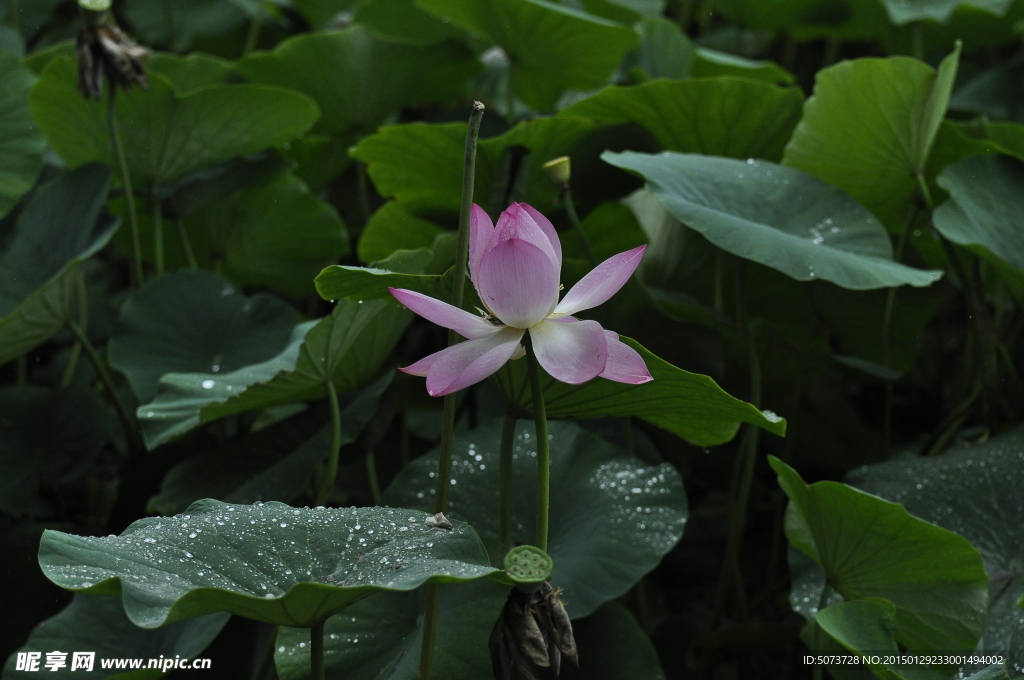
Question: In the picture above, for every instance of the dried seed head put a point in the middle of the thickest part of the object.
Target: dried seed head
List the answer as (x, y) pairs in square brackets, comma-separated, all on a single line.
[(532, 632), (106, 51)]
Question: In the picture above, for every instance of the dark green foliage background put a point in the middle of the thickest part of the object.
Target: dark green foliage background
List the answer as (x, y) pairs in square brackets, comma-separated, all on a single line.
[(832, 195)]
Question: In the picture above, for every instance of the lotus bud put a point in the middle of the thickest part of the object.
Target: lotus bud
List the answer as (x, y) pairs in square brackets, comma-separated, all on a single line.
[(559, 170)]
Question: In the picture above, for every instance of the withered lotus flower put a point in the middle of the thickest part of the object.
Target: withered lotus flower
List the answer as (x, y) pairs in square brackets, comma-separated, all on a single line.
[(533, 631), (106, 50)]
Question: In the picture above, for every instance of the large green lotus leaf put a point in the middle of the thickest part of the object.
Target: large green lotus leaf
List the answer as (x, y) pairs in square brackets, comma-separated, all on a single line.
[(99, 624), (664, 50), (166, 135), (907, 11), (986, 201), (869, 127), (195, 322), (265, 465), (269, 562), (278, 234), (47, 438), (403, 269), (713, 116), (176, 24), (379, 638), (861, 627), (711, 63), (359, 80), (611, 645), (21, 143), (403, 21), (872, 548), (995, 92), (689, 405), (59, 228), (613, 517), (974, 491), (536, 35), (780, 217), (420, 165), (392, 228), (189, 72), (348, 347)]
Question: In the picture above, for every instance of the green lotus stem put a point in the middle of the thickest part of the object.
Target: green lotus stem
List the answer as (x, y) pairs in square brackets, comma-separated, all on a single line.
[(508, 440), (718, 296), (826, 592), (126, 183), (444, 463), (362, 183), (371, 476), (540, 420), (156, 208), (574, 220), (926, 193), (748, 457), (430, 610), (186, 245), (510, 94), (332, 459), (890, 304), (83, 321), (127, 420), (267, 660), (831, 52), (458, 292), (316, 651), (253, 35), (917, 40)]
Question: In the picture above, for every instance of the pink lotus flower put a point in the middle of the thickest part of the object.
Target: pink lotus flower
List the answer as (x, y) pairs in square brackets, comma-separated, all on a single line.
[(515, 269)]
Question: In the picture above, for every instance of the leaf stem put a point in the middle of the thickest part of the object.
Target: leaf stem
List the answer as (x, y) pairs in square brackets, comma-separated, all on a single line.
[(332, 459), (83, 321), (127, 420), (444, 463), (508, 440), (510, 95), (890, 305), (267, 660), (362, 183), (186, 245), (826, 592), (540, 420), (156, 207), (458, 292), (574, 220), (126, 183), (253, 34), (316, 651), (430, 610), (747, 453)]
